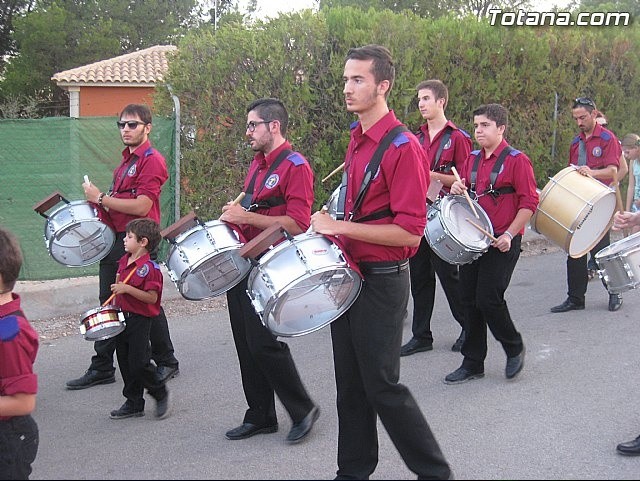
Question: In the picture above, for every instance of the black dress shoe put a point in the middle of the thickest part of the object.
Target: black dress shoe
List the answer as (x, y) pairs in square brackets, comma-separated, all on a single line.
[(246, 430), (91, 377), (126, 411), (415, 345), (457, 347), (167, 372), (615, 302), (631, 448), (514, 365), (568, 305), (300, 429), (462, 374)]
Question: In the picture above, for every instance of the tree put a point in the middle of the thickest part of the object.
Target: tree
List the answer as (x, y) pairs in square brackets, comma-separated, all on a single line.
[(61, 34), (9, 9)]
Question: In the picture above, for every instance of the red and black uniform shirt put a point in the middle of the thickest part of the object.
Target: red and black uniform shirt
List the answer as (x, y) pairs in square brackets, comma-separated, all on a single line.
[(147, 277), (516, 172), (455, 151), (602, 148), (17, 355), (141, 172), (292, 181), (399, 185)]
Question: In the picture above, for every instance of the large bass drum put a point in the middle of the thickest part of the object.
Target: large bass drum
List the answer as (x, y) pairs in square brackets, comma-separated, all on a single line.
[(451, 235), (303, 284), (575, 211)]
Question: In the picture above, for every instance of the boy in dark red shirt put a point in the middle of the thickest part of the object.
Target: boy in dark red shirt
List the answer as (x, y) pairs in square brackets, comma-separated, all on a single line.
[(18, 383), (139, 299)]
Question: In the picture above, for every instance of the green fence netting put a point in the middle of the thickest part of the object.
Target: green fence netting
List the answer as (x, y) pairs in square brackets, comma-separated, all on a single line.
[(41, 156)]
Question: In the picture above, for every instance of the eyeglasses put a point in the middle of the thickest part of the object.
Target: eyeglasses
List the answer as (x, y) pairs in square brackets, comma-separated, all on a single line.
[(584, 101), (132, 124), (251, 126)]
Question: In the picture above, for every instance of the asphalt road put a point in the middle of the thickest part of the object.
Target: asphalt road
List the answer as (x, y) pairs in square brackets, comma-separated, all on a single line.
[(560, 419)]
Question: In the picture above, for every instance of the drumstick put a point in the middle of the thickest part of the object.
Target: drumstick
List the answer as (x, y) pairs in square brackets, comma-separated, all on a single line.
[(323, 210), (466, 194), (238, 199), (114, 294), (334, 171), (481, 229), (86, 179)]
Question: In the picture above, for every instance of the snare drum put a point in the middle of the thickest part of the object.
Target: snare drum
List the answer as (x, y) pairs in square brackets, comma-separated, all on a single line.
[(619, 264), (102, 323), (451, 236), (204, 261), (74, 234), (303, 284), (575, 211)]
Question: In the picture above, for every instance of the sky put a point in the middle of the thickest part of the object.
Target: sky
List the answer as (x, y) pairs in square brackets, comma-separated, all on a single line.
[(271, 8)]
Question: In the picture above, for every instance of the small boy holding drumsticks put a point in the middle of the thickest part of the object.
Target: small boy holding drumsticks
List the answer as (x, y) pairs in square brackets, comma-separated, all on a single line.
[(139, 299)]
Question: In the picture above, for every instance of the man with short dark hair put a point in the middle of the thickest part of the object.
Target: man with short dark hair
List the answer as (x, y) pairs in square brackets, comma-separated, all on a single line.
[(596, 152), (134, 193)]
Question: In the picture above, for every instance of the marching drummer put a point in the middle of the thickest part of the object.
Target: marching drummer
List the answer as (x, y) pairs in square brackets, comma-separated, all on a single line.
[(596, 152), (503, 181), (382, 231), (446, 146), (278, 189)]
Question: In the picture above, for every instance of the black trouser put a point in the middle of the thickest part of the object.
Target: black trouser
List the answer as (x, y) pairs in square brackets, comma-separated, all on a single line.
[(484, 282), (266, 365), (134, 360), (19, 440), (161, 345), (366, 352), (424, 266), (578, 273)]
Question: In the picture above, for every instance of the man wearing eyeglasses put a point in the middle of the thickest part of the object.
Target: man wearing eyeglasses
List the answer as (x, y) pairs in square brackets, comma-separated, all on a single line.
[(596, 152), (279, 189), (134, 193)]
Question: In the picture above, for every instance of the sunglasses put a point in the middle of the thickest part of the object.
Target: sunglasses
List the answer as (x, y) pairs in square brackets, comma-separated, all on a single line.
[(251, 126), (132, 124), (584, 101)]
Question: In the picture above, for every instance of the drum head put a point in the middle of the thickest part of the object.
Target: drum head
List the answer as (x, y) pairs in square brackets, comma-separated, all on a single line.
[(455, 210), (313, 302)]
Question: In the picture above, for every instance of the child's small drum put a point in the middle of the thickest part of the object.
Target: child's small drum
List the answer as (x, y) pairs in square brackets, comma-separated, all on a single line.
[(102, 323)]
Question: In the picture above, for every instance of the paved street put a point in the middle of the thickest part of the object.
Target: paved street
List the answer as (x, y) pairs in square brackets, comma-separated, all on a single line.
[(560, 419)]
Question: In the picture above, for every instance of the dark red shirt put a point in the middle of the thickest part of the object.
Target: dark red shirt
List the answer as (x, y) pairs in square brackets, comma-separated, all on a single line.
[(602, 148), (517, 172), (148, 277), (292, 180), (400, 185), (141, 172), (456, 149), (17, 356)]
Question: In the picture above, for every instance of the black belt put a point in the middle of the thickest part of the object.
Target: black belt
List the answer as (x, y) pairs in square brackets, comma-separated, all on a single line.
[(384, 267)]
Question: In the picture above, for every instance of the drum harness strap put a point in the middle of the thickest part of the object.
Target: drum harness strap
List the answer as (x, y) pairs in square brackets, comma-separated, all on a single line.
[(270, 201), (124, 172), (446, 168), (582, 153), (372, 168), (495, 193)]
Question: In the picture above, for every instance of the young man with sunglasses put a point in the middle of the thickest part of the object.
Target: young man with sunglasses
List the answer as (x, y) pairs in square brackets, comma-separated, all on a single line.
[(278, 189), (134, 193), (596, 152)]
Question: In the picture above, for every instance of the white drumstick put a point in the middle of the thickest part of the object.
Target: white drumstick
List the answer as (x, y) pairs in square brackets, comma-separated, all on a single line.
[(86, 179)]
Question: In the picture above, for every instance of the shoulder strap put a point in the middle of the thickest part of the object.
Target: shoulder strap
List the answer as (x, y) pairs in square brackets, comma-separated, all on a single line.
[(582, 153), (445, 138), (374, 163), (494, 172), (248, 197)]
